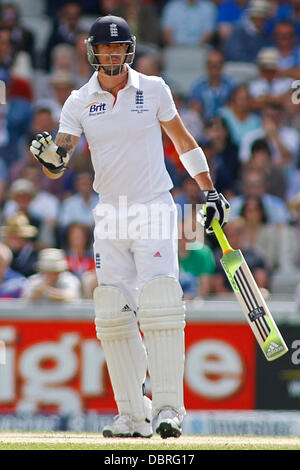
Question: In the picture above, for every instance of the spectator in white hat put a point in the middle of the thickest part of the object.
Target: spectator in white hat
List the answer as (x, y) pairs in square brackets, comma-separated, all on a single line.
[(19, 197), (25, 196), (249, 35), (53, 282), (18, 234), (269, 86), (62, 83), (11, 282)]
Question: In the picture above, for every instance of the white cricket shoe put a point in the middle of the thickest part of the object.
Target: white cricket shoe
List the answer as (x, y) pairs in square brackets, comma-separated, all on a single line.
[(121, 427), (168, 423), (126, 426)]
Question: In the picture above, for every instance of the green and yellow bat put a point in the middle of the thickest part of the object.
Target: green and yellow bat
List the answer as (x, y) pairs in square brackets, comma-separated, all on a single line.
[(250, 298)]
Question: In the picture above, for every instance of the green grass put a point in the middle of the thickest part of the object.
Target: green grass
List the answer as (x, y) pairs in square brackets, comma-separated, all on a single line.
[(94, 441)]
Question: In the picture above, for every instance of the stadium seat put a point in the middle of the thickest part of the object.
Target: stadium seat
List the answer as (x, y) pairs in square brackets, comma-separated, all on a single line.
[(41, 29), (285, 282), (31, 8), (183, 65), (241, 71)]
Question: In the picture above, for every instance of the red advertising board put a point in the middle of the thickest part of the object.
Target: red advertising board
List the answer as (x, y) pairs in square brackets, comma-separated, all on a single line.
[(60, 366), (220, 367)]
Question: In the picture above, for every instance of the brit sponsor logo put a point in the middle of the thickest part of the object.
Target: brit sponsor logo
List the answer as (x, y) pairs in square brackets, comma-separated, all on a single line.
[(96, 108)]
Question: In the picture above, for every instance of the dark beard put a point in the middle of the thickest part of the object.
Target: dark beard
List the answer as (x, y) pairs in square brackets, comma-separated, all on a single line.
[(113, 70)]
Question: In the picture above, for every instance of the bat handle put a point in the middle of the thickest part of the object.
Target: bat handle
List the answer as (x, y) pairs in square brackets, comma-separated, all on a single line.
[(221, 237)]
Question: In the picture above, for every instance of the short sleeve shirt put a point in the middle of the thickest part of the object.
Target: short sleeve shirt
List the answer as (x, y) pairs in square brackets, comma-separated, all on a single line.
[(124, 135), (188, 22)]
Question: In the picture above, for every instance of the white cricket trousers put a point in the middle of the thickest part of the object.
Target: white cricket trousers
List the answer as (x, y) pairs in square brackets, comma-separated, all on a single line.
[(133, 244)]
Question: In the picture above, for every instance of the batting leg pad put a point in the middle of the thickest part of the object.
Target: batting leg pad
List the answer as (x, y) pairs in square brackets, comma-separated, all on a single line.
[(125, 353), (162, 321)]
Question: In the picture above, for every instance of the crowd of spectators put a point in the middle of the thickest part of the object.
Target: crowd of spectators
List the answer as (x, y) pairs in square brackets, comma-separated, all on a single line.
[(248, 128)]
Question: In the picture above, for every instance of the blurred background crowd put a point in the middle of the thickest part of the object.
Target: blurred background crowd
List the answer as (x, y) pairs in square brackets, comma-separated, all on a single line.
[(234, 70)]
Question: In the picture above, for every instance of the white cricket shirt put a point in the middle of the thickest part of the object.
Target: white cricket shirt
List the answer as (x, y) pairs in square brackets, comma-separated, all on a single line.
[(124, 135)]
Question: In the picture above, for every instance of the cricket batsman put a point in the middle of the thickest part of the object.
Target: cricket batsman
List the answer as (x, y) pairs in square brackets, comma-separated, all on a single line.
[(121, 112)]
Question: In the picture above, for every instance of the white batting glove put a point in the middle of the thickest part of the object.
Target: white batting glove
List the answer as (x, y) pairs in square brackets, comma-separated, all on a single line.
[(53, 157)]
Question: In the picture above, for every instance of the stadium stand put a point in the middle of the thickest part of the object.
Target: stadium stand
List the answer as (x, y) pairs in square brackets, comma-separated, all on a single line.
[(181, 65)]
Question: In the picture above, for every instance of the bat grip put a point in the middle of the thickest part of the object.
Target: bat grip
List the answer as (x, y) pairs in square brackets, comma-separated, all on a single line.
[(221, 237)]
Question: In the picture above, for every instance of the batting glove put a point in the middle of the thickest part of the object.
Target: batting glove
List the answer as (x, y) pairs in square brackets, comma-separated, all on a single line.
[(217, 207), (54, 158)]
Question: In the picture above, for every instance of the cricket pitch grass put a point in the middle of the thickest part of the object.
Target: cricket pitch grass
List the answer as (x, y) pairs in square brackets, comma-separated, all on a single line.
[(16, 440)]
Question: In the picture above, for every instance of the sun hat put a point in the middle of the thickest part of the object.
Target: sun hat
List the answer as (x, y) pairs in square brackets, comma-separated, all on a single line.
[(18, 226), (52, 259)]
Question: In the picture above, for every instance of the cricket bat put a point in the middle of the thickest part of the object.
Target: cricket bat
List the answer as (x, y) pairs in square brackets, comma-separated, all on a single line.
[(250, 298)]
